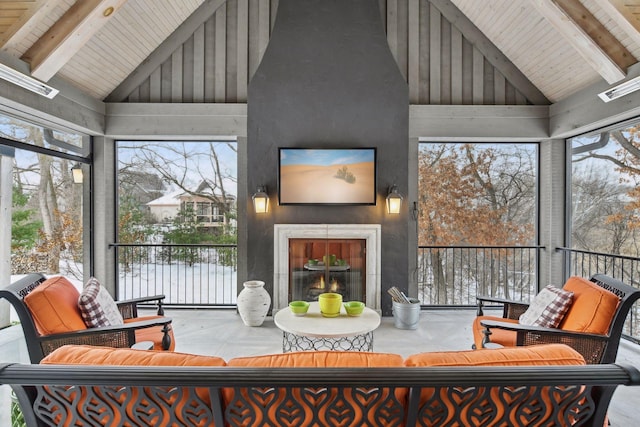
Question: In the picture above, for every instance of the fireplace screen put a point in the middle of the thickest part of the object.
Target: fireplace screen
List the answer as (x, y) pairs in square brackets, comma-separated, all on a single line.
[(327, 265)]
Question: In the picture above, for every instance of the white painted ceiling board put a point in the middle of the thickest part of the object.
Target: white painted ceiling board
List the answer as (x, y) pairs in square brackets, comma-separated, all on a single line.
[(137, 29)]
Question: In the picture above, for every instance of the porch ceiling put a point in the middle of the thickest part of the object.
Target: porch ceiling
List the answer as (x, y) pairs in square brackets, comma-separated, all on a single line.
[(560, 46)]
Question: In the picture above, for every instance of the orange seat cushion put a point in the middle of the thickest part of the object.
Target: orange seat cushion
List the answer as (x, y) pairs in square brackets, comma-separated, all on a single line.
[(316, 359), (357, 406), (54, 307), (498, 336), (541, 406), (592, 309), (533, 355), (91, 355), (125, 407), (153, 334)]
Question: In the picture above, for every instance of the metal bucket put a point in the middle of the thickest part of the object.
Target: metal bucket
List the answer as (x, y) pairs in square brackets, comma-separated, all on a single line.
[(406, 316)]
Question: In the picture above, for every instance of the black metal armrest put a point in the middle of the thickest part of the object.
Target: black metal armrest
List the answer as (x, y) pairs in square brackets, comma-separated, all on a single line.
[(129, 308), (148, 323), (114, 336), (142, 299), (506, 303), (590, 346), (486, 298)]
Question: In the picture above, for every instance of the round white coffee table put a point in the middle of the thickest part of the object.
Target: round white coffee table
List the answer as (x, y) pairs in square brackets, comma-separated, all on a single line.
[(315, 332)]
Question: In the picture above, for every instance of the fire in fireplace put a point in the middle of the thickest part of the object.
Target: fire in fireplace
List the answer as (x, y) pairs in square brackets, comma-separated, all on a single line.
[(327, 265)]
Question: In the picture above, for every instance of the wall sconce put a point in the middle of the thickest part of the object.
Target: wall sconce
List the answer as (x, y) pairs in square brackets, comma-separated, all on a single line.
[(394, 200), (76, 172), (261, 200)]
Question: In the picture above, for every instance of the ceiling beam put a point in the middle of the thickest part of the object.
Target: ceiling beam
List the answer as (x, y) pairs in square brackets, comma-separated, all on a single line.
[(32, 14), (68, 35), (578, 37), (626, 13), (598, 32)]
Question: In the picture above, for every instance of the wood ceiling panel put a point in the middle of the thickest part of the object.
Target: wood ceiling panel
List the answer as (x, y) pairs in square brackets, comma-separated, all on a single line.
[(135, 31), (616, 23), (535, 47)]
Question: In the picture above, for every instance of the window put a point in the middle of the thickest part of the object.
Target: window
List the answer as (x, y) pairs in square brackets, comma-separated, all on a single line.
[(605, 195), (476, 222), (47, 206), (165, 186)]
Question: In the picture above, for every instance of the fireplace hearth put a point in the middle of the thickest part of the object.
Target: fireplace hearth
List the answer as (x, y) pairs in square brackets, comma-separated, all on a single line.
[(313, 258)]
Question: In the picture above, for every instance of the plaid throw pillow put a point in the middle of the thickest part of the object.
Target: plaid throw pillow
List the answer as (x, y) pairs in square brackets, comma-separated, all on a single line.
[(548, 308), (97, 307)]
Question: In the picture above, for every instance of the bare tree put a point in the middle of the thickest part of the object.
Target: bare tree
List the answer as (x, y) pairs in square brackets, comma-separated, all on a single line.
[(179, 163)]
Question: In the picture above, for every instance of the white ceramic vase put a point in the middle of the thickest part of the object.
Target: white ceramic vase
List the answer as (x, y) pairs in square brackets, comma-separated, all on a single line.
[(253, 303)]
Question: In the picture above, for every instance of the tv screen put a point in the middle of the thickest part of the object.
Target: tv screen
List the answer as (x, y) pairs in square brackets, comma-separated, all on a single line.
[(327, 176)]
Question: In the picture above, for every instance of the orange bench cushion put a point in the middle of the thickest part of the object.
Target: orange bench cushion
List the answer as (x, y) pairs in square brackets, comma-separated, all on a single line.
[(54, 307), (91, 355), (509, 406), (305, 401), (534, 355), (136, 403), (592, 309)]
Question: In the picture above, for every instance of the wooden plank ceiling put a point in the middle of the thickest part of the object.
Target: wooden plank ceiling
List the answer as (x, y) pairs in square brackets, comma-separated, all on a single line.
[(533, 51)]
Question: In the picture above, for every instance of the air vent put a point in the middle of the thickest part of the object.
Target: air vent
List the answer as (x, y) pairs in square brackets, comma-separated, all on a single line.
[(620, 90)]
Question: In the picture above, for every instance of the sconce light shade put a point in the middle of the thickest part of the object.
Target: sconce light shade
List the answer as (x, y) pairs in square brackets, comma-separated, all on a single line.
[(76, 172), (394, 200), (261, 200)]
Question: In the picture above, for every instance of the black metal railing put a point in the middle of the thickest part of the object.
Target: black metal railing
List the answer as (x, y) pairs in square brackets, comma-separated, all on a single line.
[(454, 275), (188, 275), (625, 268)]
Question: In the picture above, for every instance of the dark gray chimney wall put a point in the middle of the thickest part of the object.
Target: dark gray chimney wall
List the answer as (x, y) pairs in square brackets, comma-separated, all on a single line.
[(328, 79)]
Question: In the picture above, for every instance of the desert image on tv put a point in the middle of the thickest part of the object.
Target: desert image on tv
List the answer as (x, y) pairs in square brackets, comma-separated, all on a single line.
[(327, 176)]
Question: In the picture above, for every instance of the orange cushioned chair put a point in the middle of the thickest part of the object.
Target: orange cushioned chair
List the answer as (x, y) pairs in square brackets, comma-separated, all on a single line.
[(592, 325), (50, 317)]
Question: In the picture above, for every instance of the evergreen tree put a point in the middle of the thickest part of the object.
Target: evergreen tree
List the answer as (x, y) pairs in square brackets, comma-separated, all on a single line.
[(24, 230)]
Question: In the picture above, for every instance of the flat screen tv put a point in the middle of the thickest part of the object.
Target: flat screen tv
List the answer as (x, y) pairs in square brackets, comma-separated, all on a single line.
[(327, 176)]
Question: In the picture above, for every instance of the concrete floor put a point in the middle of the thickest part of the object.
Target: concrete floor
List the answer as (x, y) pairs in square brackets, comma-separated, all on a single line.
[(222, 333)]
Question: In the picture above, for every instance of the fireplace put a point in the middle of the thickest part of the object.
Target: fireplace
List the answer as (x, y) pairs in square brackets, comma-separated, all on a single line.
[(313, 258), (327, 265)]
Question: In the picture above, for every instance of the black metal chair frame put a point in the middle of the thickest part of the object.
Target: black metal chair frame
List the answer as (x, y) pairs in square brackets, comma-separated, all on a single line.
[(585, 391), (113, 336), (595, 348)]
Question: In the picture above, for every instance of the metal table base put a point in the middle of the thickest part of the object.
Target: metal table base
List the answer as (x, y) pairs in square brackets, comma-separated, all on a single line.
[(292, 342)]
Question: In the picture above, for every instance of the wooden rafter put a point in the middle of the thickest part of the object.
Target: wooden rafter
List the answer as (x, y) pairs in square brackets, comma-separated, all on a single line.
[(32, 14), (630, 9), (624, 17), (598, 32), (63, 40), (560, 14)]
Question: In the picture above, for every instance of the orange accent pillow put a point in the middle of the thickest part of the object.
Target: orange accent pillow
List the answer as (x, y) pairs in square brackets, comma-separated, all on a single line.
[(498, 336), (54, 307), (357, 406), (592, 309), (533, 355)]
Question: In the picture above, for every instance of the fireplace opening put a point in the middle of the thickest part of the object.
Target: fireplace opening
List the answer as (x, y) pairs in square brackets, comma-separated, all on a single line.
[(327, 265)]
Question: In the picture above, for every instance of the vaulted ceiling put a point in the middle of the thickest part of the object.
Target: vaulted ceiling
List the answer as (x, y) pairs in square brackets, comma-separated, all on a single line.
[(518, 51)]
